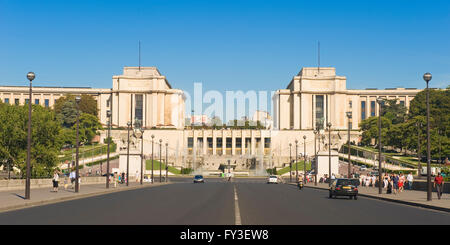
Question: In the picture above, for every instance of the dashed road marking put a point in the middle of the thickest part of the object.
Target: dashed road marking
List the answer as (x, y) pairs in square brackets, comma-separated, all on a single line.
[(236, 208)]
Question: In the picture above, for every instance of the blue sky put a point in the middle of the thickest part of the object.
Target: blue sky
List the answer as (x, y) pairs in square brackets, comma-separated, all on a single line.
[(229, 45)]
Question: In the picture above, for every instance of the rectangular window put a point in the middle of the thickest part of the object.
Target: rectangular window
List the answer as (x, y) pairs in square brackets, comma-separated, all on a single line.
[(138, 109), (26, 101), (7, 100), (47, 103), (219, 143), (350, 104), (372, 108), (266, 142), (190, 142), (238, 142), (363, 110), (319, 111), (248, 143), (36, 101), (210, 142), (229, 143), (16, 101), (402, 102)]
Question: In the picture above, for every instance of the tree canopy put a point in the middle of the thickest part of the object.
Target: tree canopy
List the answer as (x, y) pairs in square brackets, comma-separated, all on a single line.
[(401, 128)]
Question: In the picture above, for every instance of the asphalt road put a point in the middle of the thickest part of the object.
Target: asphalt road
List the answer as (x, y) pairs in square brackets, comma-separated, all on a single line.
[(213, 203)]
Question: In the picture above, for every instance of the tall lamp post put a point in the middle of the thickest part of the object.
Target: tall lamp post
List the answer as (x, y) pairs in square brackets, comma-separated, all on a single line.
[(128, 150), (160, 160), (142, 154), (379, 101), (290, 163), (349, 116), (419, 157), (329, 153), (427, 78), (316, 161), (304, 158), (77, 158), (108, 115), (30, 77), (167, 163), (153, 136), (296, 163)]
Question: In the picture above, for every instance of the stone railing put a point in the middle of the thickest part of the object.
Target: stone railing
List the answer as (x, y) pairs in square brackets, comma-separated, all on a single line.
[(17, 184)]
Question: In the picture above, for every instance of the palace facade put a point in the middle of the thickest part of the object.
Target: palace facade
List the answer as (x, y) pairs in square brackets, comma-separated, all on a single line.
[(314, 97)]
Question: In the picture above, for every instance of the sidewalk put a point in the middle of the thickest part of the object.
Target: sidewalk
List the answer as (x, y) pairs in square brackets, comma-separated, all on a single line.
[(409, 197), (14, 199)]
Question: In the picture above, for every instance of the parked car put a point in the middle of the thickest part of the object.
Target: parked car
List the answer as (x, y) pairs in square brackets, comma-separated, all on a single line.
[(363, 168), (199, 179), (344, 187), (147, 179)]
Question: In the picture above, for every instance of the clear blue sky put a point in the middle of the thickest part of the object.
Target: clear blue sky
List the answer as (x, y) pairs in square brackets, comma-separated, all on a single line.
[(234, 45)]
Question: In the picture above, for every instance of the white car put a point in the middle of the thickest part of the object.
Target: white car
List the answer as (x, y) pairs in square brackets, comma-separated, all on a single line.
[(363, 168), (272, 179), (147, 179)]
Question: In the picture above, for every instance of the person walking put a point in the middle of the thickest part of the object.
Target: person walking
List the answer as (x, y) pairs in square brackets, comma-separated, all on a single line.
[(55, 181), (137, 176), (72, 179), (386, 181), (439, 184), (395, 180), (115, 180), (410, 180), (374, 181)]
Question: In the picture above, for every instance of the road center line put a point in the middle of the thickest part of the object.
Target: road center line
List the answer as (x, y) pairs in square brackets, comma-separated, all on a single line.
[(236, 208)]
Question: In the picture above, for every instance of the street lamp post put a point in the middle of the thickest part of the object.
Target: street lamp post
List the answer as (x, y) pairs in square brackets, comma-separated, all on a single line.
[(30, 77), (427, 77), (153, 136), (160, 160), (329, 153), (290, 163), (296, 163), (316, 161), (304, 158), (167, 163), (379, 101), (128, 150), (142, 154), (77, 158), (108, 115), (349, 116), (419, 165)]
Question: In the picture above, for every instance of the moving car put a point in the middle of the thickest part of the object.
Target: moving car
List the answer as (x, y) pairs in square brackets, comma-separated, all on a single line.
[(273, 179), (199, 179), (344, 187)]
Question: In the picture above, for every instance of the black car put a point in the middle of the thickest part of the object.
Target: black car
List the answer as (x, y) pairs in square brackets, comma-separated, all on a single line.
[(198, 179), (344, 187)]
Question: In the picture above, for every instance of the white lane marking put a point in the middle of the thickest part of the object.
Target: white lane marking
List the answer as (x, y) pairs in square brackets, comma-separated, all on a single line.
[(236, 208)]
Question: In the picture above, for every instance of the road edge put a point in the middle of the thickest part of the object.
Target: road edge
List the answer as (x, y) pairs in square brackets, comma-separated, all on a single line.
[(75, 197), (392, 200)]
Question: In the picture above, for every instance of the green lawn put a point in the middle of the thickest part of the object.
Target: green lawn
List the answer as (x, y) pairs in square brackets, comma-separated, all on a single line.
[(299, 167), (156, 164)]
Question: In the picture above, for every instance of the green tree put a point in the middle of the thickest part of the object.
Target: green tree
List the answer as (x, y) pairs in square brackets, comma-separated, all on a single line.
[(89, 125), (394, 111), (87, 104), (369, 128), (46, 138)]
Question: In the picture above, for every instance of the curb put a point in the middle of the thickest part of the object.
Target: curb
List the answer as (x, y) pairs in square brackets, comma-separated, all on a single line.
[(393, 200), (75, 197)]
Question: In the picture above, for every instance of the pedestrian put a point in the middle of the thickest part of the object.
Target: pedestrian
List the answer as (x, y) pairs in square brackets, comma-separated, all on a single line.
[(72, 178), (374, 180), (137, 176), (395, 180), (55, 181), (410, 180), (439, 184), (123, 178), (386, 181), (79, 183)]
